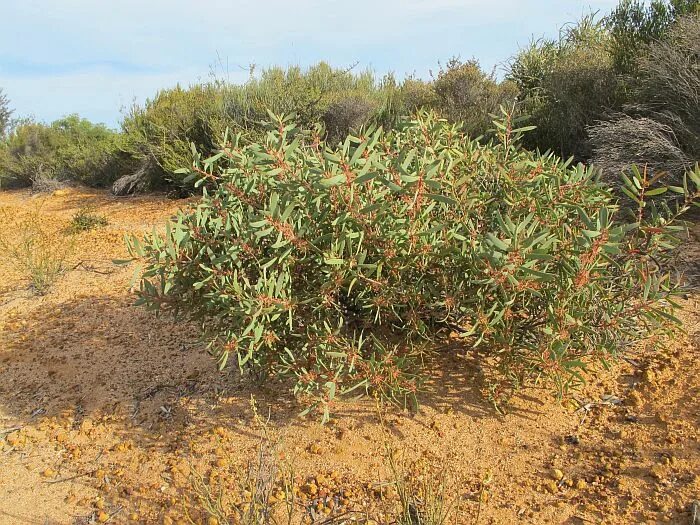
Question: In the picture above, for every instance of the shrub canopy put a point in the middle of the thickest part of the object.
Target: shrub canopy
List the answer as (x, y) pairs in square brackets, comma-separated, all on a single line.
[(334, 266), (661, 129), (566, 85), (71, 148)]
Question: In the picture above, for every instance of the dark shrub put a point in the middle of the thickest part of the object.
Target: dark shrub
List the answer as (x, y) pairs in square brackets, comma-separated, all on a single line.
[(345, 115), (565, 86), (662, 129)]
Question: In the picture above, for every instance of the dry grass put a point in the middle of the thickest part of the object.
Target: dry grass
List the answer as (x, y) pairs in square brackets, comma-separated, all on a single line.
[(35, 249)]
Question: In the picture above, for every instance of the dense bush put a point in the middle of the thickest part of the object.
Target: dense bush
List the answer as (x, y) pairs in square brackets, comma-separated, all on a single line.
[(566, 85), (465, 93), (334, 266), (662, 128), (68, 149), (635, 25), (159, 135)]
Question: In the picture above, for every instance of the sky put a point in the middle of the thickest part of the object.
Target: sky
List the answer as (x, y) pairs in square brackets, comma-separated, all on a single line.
[(95, 58)]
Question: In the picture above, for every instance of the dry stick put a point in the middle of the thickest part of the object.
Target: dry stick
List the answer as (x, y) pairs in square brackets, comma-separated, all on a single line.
[(66, 479), (9, 430)]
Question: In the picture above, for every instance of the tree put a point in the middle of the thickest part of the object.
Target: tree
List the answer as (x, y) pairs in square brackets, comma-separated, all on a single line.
[(634, 26), (5, 113)]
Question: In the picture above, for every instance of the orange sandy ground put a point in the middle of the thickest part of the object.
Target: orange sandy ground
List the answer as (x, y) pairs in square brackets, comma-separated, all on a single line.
[(112, 408)]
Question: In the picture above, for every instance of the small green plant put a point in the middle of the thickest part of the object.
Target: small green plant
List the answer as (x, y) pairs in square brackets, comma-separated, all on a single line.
[(86, 219), (332, 267), (34, 250)]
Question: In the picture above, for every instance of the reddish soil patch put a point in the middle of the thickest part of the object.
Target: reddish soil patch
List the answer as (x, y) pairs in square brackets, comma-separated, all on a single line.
[(105, 410)]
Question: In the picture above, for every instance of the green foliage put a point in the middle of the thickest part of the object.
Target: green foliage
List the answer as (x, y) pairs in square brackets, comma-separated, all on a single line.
[(85, 219), (566, 85), (464, 93), (68, 149), (661, 130), (160, 133), (634, 25), (5, 114), (333, 266)]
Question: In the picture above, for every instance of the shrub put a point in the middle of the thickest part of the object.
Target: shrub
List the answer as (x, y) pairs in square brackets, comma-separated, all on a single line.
[(635, 25), (69, 149), (85, 219), (662, 129), (627, 141), (464, 93), (160, 133), (332, 266), (415, 95), (566, 85), (5, 114)]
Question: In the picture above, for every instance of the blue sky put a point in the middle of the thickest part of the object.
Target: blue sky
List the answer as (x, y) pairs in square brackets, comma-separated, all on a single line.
[(95, 57)]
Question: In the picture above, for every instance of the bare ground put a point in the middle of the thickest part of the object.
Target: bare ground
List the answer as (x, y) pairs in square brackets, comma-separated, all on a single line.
[(105, 410)]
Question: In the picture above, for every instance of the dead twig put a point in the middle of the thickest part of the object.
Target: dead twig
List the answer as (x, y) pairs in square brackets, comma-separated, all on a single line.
[(62, 480)]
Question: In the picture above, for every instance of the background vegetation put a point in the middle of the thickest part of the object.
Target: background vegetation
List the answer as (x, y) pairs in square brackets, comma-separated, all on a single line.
[(616, 89)]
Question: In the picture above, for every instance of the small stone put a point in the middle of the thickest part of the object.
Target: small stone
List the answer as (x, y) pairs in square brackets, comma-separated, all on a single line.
[(557, 474), (635, 399), (551, 487), (48, 473), (311, 489), (103, 517), (581, 484)]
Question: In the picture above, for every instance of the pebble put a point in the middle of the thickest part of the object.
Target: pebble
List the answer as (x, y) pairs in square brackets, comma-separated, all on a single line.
[(551, 487), (557, 474)]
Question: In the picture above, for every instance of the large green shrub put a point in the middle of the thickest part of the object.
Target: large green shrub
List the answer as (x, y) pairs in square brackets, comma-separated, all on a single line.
[(566, 85), (334, 266), (634, 25), (69, 149), (160, 134)]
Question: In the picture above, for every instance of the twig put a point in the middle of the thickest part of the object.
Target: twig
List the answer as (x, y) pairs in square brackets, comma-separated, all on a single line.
[(9, 430), (65, 479)]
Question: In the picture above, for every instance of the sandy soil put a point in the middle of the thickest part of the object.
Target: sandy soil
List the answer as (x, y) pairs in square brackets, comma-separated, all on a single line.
[(106, 410)]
